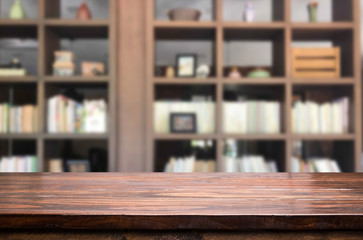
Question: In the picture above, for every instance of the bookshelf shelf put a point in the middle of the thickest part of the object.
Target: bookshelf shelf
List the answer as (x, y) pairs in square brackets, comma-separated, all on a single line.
[(269, 137), (324, 26), (323, 136), (185, 136), (257, 81), (76, 79), (281, 33), (13, 22), (76, 23), (51, 30), (183, 25), (65, 136), (24, 79), (11, 136)]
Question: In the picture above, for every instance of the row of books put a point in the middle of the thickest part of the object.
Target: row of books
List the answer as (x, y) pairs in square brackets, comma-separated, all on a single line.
[(249, 163), (329, 117), (315, 165), (18, 164), (189, 164), (66, 115), (252, 117), (205, 115), (18, 119)]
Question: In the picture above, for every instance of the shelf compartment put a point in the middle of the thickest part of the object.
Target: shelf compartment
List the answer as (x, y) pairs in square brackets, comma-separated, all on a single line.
[(206, 7), (321, 94), (170, 42), (19, 148), (341, 150), (269, 150), (316, 37), (265, 11), (262, 101), (242, 46), (328, 11), (67, 9), (203, 150), (78, 40), (94, 151), (30, 7)]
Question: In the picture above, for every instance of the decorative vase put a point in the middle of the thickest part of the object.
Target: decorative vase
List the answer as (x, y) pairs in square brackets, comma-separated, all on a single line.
[(313, 11), (234, 73), (83, 12), (249, 13), (17, 11)]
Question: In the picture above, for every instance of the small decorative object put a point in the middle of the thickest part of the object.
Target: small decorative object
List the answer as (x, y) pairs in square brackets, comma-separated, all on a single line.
[(93, 69), (14, 68), (249, 13), (234, 73), (203, 71), (170, 72), (259, 73), (313, 11), (83, 12), (78, 166), (186, 64), (184, 14), (183, 123), (17, 11), (326, 64), (15, 64), (64, 63)]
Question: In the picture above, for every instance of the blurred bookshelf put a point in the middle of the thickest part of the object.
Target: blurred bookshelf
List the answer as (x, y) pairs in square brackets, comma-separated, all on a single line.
[(218, 40), (52, 26)]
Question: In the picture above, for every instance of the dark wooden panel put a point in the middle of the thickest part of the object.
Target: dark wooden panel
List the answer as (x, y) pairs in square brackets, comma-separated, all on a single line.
[(189, 235), (182, 201)]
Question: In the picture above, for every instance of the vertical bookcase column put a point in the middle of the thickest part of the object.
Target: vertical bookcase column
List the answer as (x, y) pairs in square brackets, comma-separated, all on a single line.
[(112, 86), (288, 90), (219, 86), (358, 85), (149, 123)]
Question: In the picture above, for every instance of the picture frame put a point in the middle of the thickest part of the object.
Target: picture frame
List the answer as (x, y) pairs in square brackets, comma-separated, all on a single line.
[(183, 123), (78, 166), (186, 65)]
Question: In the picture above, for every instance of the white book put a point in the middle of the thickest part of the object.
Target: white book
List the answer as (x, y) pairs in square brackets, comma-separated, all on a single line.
[(334, 166), (189, 164), (230, 164), (321, 165)]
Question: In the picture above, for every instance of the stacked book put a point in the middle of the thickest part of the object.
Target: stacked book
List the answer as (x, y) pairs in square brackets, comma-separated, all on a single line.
[(189, 164), (252, 117), (315, 165), (68, 116), (18, 119), (64, 63), (205, 115), (311, 117), (249, 164), (18, 164)]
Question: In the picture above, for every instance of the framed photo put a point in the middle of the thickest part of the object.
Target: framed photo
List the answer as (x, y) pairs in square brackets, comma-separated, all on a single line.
[(183, 123), (186, 65), (78, 166)]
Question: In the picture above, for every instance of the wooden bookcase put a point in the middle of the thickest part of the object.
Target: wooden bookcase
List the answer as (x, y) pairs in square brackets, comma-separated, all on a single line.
[(343, 30), (49, 28)]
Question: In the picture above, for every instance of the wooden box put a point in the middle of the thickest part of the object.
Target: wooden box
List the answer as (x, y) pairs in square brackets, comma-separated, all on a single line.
[(316, 62)]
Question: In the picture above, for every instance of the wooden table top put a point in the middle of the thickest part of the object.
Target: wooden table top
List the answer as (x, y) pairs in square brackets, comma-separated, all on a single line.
[(181, 201)]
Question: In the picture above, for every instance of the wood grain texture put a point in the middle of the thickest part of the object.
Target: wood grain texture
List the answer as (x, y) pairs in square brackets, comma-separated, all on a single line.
[(185, 235), (182, 201)]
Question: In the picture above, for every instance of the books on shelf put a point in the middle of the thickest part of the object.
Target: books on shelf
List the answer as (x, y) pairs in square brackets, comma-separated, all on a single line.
[(249, 163), (55, 165), (314, 165), (252, 117), (69, 116), (205, 115), (189, 164), (18, 164), (329, 117), (18, 119)]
